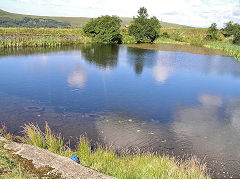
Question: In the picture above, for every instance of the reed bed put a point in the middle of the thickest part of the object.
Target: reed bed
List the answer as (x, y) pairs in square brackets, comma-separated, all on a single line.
[(230, 49), (40, 31), (41, 37), (168, 41), (32, 41), (105, 160)]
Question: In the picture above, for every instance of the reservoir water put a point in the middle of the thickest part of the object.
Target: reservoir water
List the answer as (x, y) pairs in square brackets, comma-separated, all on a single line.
[(167, 99)]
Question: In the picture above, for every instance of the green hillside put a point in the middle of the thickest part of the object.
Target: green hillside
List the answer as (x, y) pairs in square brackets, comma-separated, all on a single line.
[(75, 22)]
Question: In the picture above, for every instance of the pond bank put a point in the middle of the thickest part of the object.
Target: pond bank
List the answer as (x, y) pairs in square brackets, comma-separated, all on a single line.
[(24, 37), (57, 165), (212, 48)]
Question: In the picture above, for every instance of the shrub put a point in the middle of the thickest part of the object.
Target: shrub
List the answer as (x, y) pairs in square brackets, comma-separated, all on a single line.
[(127, 39), (230, 29), (165, 35), (177, 35), (212, 32), (236, 38), (197, 41), (104, 29), (144, 29)]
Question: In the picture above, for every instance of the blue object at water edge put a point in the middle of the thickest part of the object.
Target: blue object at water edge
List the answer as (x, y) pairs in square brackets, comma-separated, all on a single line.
[(74, 158)]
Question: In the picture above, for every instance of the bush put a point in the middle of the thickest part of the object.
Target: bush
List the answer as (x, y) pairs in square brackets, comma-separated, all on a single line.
[(177, 35), (127, 39), (236, 39), (144, 29), (231, 29), (212, 32), (104, 29), (196, 41), (165, 35)]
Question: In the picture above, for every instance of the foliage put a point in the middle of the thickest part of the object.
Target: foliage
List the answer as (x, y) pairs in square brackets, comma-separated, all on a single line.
[(162, 40), (178, 35), (165, 35), (47, 140), (212, 32), (8, 167), (144, 29), (230, 29), (127, 39), (41, 31), (32, 23), (230, 49), (236, 39), (144, 165), (197, 41), (4, 133), (40, 42), (41, 37), (104, 29)]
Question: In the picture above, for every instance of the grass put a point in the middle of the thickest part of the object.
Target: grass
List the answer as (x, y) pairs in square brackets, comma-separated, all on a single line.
[(168, 41), (40, 37), (105, 160), (196, 37), (9, 168), (230, 49), (13, 42), (40, 31), (14, 166)]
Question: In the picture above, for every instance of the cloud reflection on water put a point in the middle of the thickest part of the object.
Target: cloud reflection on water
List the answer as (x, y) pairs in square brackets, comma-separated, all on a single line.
[(213, 129), (161, 72), (78, 78)]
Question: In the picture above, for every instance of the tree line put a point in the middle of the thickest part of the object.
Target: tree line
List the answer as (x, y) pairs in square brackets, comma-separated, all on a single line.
[(145, 29), (106, 29), (230, 30)]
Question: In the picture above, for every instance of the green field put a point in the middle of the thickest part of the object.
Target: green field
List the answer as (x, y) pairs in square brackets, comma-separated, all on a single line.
[(75, 22)]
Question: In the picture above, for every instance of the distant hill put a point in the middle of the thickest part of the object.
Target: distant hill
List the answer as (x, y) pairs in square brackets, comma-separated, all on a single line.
[(8, 19)]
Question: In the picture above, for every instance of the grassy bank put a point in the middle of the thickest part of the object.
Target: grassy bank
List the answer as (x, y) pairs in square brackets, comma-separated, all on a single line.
[(106, 161), (41, 37), (196, 37), (230, 49)]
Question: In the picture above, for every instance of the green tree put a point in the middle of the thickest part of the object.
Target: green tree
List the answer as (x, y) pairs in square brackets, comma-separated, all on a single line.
[(144, 29), (212, 32), (104, 29), (231, 29), (236, 38)]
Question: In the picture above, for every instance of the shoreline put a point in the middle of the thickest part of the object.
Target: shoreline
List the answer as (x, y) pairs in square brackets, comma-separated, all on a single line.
[(50, 37)]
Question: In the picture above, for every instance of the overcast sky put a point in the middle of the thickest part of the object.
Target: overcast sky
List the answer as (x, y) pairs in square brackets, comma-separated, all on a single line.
[(197, 13)]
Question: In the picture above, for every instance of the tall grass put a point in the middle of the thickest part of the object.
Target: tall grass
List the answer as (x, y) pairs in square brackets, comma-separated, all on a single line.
[(41, 37), (168, 41), (230, 49), (47, 140), (41, 41), (105, 160), (40, 31)]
